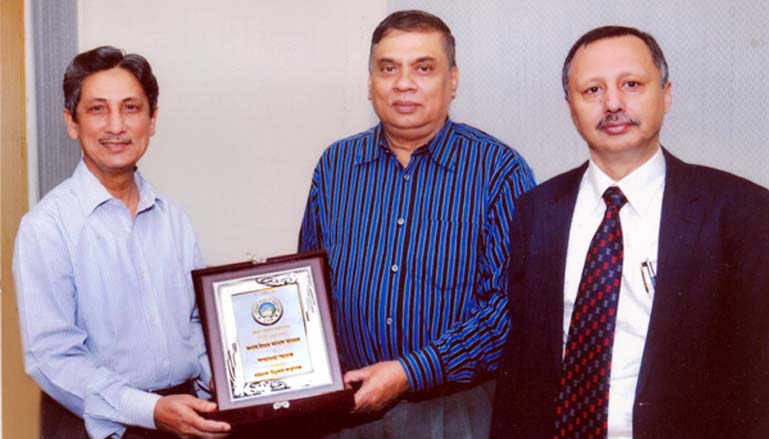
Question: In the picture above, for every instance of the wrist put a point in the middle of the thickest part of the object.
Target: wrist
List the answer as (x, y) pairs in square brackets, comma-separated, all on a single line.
[(138, 408), (423, 369)]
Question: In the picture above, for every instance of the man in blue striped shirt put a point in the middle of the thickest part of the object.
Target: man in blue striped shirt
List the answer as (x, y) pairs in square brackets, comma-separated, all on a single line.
[(414, 214)]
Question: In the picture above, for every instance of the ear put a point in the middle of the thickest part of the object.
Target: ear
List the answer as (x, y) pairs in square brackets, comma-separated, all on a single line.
[(668, 96), (73, 129), (153, 119), (454, 73)]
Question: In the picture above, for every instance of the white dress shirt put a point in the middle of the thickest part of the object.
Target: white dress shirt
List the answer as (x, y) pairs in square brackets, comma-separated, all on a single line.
[(640, 219)]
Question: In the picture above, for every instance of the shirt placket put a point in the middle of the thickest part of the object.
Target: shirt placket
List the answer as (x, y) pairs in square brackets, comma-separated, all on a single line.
[(399, 224), (150, 303)]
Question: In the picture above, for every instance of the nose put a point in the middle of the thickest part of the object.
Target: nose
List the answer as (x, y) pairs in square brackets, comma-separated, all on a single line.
[(405, 81), (115, 122), (613, 100)]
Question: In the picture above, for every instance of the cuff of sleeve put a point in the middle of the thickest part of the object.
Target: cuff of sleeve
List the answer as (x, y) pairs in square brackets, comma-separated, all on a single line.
[(423, 369), (102, 429), (138, 408)]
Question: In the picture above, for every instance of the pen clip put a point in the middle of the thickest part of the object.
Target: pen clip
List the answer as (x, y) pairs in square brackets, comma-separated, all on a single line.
[(649, 276)]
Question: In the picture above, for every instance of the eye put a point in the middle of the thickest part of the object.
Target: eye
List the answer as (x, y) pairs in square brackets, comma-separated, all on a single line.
[(632, 84), (592, 90), (133, 108), (388, 68), (96, 108), (424, 68)]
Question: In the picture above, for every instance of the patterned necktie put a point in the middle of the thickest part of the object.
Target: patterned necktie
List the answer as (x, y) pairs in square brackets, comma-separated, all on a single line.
[(583, 398)]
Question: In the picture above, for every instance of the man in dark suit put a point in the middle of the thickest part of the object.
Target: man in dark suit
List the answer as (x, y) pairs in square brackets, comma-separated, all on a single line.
[(662, 330)]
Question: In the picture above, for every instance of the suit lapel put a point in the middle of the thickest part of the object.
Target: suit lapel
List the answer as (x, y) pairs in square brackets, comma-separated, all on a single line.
[(680, 224), (556, 226)]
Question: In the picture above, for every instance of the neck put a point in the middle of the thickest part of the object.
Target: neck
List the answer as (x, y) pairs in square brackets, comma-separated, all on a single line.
[(125, 191), (618, 165), (404, 142), (120, 185)]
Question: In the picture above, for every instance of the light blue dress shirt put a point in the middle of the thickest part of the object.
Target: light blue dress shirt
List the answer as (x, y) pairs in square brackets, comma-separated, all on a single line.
[(106, 302)]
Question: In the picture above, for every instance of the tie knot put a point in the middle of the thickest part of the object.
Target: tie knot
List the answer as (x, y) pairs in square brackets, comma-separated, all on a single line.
[(613, 197)]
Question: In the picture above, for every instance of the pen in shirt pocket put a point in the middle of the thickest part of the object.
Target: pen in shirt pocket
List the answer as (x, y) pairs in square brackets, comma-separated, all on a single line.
[(649, 276)]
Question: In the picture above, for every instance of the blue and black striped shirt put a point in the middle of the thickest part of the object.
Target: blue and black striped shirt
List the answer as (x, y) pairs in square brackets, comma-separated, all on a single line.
[(418, 254)]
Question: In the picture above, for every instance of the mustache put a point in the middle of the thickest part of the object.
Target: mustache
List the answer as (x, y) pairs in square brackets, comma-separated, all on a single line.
[(617, 118), (115, 139)]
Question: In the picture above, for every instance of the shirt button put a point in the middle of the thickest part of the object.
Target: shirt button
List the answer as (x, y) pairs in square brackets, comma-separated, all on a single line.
[(407, 177), (394, 268), (400, 221), (389, 321)]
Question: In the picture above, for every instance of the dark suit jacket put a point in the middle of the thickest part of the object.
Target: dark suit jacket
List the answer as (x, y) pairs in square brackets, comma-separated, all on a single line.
[(705, 367)]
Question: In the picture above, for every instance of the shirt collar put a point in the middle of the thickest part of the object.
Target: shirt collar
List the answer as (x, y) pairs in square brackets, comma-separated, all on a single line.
[(639, 186), (93, 194), (438, 148)]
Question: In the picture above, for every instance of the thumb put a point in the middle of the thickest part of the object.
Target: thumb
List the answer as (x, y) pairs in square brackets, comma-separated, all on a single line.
[(355, 376)]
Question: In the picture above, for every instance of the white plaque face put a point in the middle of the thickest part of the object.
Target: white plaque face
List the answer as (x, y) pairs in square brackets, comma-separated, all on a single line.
[(272, 335)]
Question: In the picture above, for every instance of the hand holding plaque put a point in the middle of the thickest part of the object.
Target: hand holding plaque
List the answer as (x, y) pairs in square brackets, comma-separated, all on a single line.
[(270, 338)]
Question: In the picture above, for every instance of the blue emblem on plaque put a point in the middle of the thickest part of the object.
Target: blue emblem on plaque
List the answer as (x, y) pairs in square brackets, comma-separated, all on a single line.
[(267, 311)]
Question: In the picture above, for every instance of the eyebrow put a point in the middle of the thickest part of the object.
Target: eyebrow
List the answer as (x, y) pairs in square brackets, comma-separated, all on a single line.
[(416, 61), (101, 99), (386, 61), (623, 73)]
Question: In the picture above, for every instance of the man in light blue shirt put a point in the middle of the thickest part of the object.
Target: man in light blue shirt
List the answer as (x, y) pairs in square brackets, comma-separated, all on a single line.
[(102, 266)]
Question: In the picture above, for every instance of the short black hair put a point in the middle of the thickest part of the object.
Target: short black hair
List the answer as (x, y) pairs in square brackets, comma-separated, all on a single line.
[(419, 21), (105, 58), (604, 32)]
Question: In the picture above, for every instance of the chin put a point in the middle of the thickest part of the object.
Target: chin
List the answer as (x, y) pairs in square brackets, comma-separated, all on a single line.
[(617, 144), (403, 124), (406, 119)]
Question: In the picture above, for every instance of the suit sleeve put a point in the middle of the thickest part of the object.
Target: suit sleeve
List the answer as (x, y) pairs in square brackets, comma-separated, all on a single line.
[(501, 422), (751, 280)]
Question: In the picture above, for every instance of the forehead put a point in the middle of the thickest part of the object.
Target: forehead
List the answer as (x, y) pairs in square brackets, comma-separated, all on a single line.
[(614, 56), (413, 44), (113, 84)]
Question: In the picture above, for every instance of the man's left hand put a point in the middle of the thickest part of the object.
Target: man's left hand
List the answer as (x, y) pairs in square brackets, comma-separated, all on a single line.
[(181, 416), (380, 385)]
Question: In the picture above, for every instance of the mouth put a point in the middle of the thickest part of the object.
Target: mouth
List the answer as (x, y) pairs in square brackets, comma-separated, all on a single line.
[(619, 128), (405, 107), (617, 123), (115, 143)]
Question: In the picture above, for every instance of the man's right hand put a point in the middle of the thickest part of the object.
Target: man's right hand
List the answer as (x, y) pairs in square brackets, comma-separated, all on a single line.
[(178, 414)]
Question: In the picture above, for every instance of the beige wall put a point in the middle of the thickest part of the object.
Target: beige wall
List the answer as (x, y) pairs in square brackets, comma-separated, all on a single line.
[(19, 394), (250, 94)]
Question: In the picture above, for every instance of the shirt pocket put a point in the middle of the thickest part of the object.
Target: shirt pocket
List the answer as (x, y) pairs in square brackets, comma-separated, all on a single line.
[(446, 254)]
